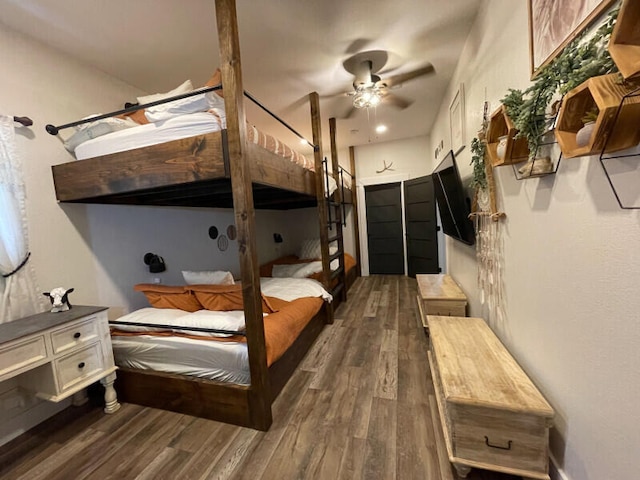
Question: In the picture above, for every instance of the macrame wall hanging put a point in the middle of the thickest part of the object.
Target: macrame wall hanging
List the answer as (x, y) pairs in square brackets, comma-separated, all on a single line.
[(489, 247)]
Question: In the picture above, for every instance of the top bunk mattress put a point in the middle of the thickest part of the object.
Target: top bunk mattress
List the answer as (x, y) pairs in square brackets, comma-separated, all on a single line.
[(174, 128)]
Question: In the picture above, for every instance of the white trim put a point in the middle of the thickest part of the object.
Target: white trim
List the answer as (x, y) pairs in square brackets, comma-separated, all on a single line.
[(561, 475), (362, 216), (395, 178)]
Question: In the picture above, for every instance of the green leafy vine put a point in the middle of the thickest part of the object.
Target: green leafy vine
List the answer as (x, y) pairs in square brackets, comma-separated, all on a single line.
[(479, 179), (580, 60)]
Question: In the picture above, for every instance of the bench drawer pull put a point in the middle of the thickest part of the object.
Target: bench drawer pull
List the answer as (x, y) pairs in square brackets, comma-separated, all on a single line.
[(77, 335), (81, 365), (486, 441)]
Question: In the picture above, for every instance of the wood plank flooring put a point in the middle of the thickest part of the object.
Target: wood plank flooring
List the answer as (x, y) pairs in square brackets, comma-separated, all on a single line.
[(359, 407)]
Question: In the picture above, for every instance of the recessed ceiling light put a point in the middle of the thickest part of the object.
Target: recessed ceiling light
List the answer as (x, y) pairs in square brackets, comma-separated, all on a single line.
[(303, 141), (381, 128)]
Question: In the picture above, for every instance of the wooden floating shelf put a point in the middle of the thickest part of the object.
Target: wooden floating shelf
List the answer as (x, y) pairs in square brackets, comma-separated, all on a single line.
[(606, 93), (500, 125), (624, 45)]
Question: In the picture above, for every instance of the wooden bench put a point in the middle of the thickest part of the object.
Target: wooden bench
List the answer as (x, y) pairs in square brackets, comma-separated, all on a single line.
[(439, 294), (493, 417)]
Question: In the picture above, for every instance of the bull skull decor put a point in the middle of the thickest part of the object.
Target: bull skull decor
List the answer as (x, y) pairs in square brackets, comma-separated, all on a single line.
[(59, 297)]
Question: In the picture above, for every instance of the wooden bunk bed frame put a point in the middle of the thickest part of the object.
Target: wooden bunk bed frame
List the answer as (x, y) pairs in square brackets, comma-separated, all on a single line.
[(217, 169)]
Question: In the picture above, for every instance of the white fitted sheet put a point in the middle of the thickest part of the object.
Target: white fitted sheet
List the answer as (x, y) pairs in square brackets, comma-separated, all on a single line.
[(175, 128), (213, 360)]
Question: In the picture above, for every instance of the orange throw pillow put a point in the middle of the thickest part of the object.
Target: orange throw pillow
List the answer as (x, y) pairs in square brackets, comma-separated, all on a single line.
[(165, 296)]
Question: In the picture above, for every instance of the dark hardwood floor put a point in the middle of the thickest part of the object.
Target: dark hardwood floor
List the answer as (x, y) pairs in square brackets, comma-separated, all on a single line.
[(359, 407)]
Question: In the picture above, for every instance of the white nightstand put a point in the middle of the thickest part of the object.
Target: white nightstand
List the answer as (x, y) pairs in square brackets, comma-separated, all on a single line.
[(56, 355)]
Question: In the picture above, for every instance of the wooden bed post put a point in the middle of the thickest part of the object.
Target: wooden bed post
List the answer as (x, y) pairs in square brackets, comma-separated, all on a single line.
[(354, 201), (314, 101), (228, 38)]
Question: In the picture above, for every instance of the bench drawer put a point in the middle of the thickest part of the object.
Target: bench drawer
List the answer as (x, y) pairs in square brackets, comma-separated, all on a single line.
[(499, 437), (446, 308)]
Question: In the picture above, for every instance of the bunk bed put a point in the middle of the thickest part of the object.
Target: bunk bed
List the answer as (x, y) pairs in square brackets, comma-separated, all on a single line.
[(215, 169)]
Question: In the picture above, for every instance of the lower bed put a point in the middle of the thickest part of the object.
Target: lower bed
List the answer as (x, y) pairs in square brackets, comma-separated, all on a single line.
[(210, 377), (221, 361)]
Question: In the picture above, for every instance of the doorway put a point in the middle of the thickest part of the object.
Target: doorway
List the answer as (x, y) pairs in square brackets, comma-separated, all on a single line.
[(384, 228), (421, 224)]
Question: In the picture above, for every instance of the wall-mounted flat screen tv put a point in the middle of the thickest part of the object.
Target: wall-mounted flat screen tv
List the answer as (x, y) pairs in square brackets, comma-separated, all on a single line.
[(453, 204)]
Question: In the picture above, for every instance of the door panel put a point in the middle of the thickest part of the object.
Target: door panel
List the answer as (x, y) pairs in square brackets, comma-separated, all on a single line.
[(384, 229), (421, 224)]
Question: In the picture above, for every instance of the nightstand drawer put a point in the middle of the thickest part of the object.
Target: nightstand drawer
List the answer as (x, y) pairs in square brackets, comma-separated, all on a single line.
[(68, 338), (78, 366), (20, 355)]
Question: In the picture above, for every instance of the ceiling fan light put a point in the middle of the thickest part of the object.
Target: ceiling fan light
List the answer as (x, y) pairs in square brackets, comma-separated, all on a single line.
[(366, 96)]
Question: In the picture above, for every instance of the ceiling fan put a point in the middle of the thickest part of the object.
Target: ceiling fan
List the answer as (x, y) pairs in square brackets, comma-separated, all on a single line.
[(369, 88)]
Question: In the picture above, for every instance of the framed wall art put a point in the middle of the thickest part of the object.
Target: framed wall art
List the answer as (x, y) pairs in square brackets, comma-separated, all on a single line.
[(554, 23), (456, 120)]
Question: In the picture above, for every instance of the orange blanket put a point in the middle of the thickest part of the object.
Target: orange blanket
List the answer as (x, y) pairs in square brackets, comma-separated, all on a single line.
[(280, 328)]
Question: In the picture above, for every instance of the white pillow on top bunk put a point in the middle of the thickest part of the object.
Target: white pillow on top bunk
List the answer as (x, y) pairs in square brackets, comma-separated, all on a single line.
[(185, 87), (198, 103), (87, 131), (208, 277)]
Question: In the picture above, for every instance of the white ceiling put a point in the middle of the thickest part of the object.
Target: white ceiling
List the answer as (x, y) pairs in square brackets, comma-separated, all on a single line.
[(289, 48)]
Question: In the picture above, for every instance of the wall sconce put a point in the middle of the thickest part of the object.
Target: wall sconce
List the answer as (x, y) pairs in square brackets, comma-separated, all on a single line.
[(155, 262)]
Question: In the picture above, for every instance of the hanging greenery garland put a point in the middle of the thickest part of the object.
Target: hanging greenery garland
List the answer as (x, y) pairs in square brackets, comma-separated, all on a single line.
[(579, 61)]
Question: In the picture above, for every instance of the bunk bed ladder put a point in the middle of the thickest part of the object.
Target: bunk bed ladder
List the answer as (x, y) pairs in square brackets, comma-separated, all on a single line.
[(336, 209)]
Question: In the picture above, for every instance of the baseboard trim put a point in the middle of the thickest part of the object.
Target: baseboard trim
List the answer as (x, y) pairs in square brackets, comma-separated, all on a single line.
[(555, 472)]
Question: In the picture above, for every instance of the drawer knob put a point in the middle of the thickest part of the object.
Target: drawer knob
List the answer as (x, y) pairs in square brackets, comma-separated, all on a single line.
[(76, 335), (508, 447), (81, 365)]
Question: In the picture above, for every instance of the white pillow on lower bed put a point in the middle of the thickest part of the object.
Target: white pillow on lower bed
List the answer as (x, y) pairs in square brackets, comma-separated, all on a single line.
[(207, 277), (297, 270), (310, 248)]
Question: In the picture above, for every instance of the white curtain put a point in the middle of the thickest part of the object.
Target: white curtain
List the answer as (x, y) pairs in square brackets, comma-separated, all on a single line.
[(20, 296)]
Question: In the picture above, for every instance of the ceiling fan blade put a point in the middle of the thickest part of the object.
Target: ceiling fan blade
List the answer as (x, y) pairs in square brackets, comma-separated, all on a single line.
[(405, 77), (358, 45), (397, 101)]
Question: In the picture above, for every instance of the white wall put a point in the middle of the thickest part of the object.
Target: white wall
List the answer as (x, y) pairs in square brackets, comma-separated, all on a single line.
[(412, 156), (571, 270)]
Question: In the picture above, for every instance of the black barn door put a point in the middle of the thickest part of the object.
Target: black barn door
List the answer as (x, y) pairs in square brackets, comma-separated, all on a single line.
[(421, 224), (384, 228)]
